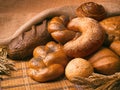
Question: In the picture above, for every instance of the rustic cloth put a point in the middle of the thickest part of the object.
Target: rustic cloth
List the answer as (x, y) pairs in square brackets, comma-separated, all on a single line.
[(14, 23)]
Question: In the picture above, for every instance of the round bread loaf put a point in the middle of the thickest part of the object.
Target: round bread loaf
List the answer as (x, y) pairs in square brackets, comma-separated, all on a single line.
[(92, 10)]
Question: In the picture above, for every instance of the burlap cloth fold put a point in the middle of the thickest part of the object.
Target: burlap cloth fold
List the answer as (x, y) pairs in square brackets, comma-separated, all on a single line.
[(12, 24)]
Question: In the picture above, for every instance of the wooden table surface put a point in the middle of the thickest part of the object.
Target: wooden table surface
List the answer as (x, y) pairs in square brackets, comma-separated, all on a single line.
[(14, 13)]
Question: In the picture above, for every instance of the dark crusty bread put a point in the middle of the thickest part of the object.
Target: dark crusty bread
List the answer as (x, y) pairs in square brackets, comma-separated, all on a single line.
[(22, 46)]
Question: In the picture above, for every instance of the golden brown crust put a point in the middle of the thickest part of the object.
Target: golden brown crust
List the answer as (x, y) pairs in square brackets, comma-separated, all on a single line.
[(58, 30), (105, 61), (111, 26), (115, 46), (92, 10), (48, 62), (79, 67), (47, 73), (90, 40)]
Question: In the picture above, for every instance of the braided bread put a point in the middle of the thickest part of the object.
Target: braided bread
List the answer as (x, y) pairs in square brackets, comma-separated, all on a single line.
[(48, 62)]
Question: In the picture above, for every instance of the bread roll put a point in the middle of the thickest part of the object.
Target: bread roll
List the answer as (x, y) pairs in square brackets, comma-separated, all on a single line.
[(111, 26)]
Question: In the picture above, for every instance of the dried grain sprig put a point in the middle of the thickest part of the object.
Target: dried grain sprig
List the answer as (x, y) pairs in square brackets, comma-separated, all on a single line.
[(5, 64), (98, 81)]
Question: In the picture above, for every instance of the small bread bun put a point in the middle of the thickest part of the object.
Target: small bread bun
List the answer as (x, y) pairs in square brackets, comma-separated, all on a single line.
[(78, 67), (92, 10)]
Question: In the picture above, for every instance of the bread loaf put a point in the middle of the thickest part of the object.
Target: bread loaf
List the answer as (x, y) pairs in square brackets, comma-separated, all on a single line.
[(111, 26), (22, 46)]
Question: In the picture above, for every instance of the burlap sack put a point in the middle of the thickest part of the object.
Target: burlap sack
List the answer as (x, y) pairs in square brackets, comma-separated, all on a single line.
[(111, 8)]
